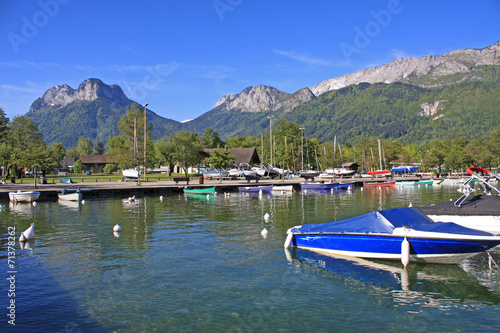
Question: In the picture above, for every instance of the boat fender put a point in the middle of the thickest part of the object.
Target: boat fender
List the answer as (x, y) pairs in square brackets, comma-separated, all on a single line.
[(266, 217), (405, 252), (264, 233), (117, 228), (288, 240)]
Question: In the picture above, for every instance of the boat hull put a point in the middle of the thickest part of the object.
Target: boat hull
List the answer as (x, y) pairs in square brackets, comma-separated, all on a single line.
[(319, 186), (287, 188), (210, 190), (379, 184), (77, 196), (24, 196), (256, 189), (428, 250)]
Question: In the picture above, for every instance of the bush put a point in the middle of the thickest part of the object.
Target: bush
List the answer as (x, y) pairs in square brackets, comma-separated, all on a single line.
[(110, 168)]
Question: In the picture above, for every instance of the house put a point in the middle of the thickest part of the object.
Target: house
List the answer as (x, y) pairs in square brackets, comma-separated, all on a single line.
[(95, 163), (351, 166)]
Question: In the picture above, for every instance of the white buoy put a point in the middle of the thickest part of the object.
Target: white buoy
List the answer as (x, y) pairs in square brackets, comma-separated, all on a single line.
[(161, 197), (215, 193), (405, 252), (117, 228), (410, 205), (208, 196), (34, 203), (349, 189), (266, 217), (28, 234), (83, 201), (264, 232), (361, 189)]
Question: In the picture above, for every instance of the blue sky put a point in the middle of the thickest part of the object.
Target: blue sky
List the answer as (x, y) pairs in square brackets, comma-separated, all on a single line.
[(182, 56)]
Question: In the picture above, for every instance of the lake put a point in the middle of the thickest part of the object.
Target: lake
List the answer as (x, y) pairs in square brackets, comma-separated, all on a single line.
[(192, 264)]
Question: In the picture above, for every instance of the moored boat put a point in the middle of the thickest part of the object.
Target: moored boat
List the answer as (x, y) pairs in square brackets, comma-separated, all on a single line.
[(70, 195), (385, 235), (318, 186), (20, 196), (379, 184), (379, 172), (281, 188), (204, 190), (256, 189)]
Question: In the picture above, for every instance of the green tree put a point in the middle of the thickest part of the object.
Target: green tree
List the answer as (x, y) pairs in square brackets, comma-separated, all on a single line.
[(220, 159), (4, 121), (85, 146), (99, 148), (212, 139), (188, 147), (165, 153), (78, 166), (58, 151)]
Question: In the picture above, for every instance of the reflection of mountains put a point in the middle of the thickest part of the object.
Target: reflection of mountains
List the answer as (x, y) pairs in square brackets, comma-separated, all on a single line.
[(437, 284)]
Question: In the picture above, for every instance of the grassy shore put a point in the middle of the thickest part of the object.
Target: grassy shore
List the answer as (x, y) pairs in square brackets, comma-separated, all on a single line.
[(94, 178)]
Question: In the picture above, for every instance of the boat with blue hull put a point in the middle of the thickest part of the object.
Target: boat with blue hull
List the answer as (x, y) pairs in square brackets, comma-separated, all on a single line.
[(406, 234), (318, 186), (256, 189)]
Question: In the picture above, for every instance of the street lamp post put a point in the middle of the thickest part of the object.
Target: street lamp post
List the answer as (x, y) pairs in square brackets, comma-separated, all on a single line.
[(271, 137), (145, 140), (301, 129)]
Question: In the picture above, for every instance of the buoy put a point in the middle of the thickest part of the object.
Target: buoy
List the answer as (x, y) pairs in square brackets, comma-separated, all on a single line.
[(208, 196), (405, 252), (349, 189), (410, 205), (83, 202), (361, 189), (34, 203), (161, 197), (266, 217), (288, 240), (215, 193), (117, 228), (264, 232), (28, 234)]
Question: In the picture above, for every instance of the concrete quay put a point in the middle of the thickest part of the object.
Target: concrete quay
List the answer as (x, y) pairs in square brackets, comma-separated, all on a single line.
[(126, 189)]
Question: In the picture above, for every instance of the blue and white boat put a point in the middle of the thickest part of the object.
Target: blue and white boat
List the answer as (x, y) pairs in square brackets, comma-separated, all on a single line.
[(405, 168), (256, 189), (318, 186), (405, 234)]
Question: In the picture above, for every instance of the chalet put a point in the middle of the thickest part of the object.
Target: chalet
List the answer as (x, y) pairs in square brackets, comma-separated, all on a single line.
[(95, 163)]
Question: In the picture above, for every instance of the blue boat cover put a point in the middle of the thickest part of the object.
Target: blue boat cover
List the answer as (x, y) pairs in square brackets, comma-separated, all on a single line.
[(385, 221)]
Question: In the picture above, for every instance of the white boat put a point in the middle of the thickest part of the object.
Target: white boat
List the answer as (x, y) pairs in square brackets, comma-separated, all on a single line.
[(287, 188), (131, 174), (70, 196), (343, 172), (481, 212), (21, 196), (265, 170)]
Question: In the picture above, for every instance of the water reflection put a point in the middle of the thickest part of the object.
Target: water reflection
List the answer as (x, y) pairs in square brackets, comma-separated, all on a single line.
[(434, 285)]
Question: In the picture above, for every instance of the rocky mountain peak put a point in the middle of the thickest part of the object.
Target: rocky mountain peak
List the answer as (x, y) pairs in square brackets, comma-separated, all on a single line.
[(263, 98), (458, 61), (88, 90)]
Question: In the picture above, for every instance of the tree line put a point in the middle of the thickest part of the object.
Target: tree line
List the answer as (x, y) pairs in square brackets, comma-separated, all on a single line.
[(22, 147)]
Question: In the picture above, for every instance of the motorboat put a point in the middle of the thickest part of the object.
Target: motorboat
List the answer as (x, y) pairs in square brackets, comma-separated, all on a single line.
[(405, 234), (216, 173), (341, 172), (281, 188), (70, 195), (379, 173), (24, 196), (480, 211), (265, 170), (131, 174)]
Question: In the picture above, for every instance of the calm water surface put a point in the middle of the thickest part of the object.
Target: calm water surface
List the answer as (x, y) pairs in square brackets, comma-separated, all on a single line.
[(188, 264)]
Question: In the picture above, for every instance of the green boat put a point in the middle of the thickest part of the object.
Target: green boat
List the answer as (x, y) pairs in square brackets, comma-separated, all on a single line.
[(424, 183), (205, 190)]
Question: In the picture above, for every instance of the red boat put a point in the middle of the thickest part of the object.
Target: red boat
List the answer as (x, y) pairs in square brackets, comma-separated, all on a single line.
[(379, 172), (379, 184), (471, 170)]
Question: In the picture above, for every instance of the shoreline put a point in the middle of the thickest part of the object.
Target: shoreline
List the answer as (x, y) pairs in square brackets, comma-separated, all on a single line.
[(125, 189)]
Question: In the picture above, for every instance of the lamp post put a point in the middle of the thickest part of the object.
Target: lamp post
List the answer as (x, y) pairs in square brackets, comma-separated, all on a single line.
[(301, 129), (271, 137), (145, 140)]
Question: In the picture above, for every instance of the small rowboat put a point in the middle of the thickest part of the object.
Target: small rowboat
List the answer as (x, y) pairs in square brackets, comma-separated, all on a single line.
[(205, 190), (70, 196), (379, 184), (21, 196), (319, 186), (256, 189)]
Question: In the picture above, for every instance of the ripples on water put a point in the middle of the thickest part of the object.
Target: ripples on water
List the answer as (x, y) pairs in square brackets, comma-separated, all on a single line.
[(191, 264)]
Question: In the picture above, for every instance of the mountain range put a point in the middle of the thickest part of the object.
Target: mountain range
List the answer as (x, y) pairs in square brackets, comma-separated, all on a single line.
[(410, 99)]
